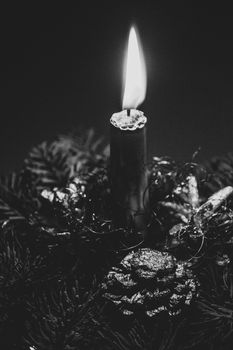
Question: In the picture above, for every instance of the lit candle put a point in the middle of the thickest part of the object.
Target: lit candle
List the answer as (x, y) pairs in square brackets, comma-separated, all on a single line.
[(128, 143)]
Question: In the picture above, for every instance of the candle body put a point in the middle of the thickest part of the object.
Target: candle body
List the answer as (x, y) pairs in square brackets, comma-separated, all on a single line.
[(128, 171)]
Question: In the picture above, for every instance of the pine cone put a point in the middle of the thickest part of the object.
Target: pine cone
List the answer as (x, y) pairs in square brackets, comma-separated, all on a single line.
[(150, 282), (85, 194), (68, 201)]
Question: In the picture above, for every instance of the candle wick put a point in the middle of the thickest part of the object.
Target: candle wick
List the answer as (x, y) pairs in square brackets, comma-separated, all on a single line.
[(128, 112)]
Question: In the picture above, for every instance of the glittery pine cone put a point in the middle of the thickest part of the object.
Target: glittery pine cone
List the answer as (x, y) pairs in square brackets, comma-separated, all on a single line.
[(83, 195), (69, 200), (150, 282)]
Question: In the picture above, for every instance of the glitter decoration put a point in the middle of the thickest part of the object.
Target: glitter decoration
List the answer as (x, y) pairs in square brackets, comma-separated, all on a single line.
[(150, 282)]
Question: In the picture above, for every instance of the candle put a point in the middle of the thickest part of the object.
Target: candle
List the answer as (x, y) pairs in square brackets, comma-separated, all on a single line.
[(128, 144)]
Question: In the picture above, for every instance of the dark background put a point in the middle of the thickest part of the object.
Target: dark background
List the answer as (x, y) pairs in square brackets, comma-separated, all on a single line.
[(61, 68)]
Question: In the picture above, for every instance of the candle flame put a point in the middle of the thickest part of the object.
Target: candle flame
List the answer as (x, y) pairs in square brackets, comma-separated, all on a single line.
[(135, 73)]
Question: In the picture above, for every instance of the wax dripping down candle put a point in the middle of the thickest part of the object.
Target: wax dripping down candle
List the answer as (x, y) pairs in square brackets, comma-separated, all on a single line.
[(128, 143)]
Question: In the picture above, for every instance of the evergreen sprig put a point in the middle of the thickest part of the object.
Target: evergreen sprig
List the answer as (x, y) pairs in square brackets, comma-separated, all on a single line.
[(20, 274), (14, 204), (220, 172), (51, 164), (69, 319), (212, 327), (47, 166)]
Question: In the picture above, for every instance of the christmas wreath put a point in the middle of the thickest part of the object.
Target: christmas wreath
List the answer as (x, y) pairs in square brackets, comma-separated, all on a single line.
[(70, 278)]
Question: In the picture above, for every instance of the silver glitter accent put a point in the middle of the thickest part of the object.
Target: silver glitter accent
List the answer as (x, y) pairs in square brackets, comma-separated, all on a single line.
[(188, 190), (190, 212), (152, 282), (206, 210), (155, 312), (49, 195)]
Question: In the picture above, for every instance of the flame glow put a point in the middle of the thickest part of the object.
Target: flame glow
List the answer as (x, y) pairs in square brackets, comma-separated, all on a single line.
[(135, 74)]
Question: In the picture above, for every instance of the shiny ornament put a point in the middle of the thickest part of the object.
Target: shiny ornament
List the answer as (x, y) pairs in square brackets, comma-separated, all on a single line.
[(192, 216)]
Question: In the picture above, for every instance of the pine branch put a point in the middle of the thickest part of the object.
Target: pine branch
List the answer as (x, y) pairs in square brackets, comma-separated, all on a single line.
[(20, 273), (67, 318), (220, 171), (19, 270), (47, 166), (85, 142), (213, 324), (14, 206), (83, 150), (50, 165)]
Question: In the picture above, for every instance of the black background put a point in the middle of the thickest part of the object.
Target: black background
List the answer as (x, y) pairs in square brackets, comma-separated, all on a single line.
[(61, 68)]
